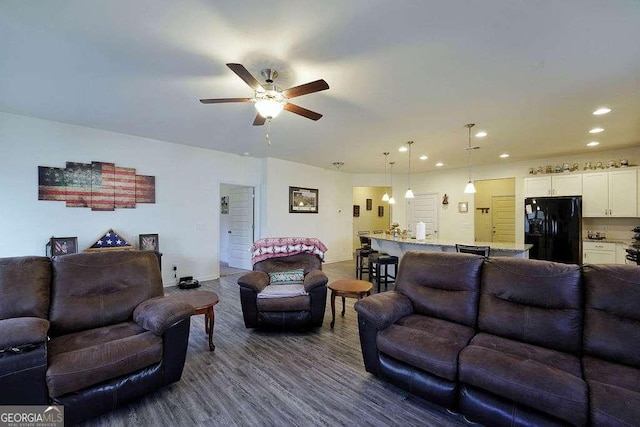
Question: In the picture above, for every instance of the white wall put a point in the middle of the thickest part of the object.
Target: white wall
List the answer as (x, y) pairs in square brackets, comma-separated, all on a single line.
[(187, 192), (332, 224)]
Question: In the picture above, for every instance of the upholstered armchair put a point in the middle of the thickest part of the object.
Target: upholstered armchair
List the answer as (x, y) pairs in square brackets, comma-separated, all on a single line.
[(296, 301)]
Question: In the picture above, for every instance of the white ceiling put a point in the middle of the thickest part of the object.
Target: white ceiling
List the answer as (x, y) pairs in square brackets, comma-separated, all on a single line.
[(529, 72)]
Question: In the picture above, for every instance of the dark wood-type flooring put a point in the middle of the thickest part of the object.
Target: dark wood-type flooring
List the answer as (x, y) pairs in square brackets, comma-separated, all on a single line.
[(258, 378)]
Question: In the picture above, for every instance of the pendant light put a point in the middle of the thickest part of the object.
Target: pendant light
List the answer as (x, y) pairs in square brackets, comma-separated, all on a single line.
[(470, 188), (392, 201), (385, 196), (409, 193)]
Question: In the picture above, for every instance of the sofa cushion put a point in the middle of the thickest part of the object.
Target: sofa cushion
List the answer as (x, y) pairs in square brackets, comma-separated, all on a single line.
[(441, 285), (85, 358), (292, 303), (427, 343), (544, 379), (614, 392), (25, 287), (612, 317), (538, 302), (91, 290), (19, 331)]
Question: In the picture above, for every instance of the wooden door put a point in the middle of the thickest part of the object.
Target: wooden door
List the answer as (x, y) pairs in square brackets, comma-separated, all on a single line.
[(503, 219)]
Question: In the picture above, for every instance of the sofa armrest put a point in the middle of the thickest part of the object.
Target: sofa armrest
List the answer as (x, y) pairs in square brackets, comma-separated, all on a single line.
[(315, 278), (385, 308), (255, 280), (159, 313), (19, 331)]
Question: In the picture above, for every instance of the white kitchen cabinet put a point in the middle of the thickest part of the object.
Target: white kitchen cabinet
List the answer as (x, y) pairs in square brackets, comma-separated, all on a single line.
[(598, 253), (610, 194), (557, 185)]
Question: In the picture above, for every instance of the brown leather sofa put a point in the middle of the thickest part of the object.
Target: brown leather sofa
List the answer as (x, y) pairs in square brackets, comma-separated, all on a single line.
[(297, 312), (89, 331), (509, 341)]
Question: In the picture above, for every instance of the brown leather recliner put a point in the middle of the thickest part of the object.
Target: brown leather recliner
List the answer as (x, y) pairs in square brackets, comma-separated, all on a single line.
[(113, 335), (292, 312)]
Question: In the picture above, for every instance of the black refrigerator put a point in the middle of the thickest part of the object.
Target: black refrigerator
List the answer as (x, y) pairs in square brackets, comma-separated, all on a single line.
[(553, 225)]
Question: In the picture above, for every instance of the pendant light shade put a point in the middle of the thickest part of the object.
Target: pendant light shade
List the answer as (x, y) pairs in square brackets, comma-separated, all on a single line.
[(392, 201), (409, 193), (470, 188), (385, 196)]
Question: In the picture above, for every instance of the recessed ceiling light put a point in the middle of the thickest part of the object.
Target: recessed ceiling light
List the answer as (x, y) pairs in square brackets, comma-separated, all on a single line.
[(596, 130), (439, 164), (504, 155), (403, 149), (424, 157), (593, 144), (481, 134), (246, 153), (601, 111)]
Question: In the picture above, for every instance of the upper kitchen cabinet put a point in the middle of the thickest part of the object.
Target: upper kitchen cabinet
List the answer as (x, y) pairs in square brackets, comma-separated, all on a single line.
[(557, 185), (610, 194)]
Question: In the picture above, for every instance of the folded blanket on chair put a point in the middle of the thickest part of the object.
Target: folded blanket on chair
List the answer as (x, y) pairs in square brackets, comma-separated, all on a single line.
[(282, 291), (272, 247)]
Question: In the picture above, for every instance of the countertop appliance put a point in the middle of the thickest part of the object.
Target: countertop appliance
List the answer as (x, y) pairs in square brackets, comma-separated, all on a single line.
[(633, 251), (553, 225)]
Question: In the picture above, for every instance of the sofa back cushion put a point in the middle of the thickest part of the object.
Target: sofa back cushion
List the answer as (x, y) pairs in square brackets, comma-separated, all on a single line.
[(307, 262), (531, 301), (612, 313), (24, 287), (441, 285), (91, 290)]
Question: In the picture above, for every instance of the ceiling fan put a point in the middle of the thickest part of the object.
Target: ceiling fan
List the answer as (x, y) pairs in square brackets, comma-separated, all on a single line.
[(269, 99)]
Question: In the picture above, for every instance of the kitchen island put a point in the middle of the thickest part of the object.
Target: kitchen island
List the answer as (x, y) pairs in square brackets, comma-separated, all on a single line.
[(398, 246)]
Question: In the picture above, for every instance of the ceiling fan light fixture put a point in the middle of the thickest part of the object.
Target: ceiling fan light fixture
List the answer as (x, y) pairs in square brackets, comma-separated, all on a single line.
[(269, 108)]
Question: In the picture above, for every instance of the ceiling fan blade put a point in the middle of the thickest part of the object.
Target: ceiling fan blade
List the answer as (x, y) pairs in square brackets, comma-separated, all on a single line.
[(259, 120), (245, 75), (221, 100), (306, 88), (302, 111)]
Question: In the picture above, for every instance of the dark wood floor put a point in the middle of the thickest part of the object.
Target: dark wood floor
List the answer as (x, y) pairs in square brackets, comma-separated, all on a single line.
[(257, 378)]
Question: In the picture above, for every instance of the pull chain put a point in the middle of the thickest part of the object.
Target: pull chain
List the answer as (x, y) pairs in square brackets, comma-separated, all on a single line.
[(268, 132)]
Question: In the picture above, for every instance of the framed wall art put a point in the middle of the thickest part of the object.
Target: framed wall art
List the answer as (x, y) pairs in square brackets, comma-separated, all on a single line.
[(369, 204), (463, 207), (356, 210), (303, 200), (380, 210), (63, 245), (149, 242), (224, 205)]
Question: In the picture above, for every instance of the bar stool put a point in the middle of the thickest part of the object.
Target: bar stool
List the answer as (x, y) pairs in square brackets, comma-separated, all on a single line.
[(363, 265), (379, 269)]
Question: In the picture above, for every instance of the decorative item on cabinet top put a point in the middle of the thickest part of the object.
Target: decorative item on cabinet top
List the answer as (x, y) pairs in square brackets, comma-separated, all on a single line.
[(588, 165), (100, 186)]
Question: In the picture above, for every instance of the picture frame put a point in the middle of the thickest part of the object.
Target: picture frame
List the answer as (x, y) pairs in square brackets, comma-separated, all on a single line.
[(369, 204), (303, 200), (463, 207), (356, 210), (63, 246), (149, 242), (380, 211)]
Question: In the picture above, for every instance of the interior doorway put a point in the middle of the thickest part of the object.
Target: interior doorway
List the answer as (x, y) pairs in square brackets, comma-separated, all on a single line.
[(423, 207), (503, 219), (237, 213), (370, 213), (495, 212)]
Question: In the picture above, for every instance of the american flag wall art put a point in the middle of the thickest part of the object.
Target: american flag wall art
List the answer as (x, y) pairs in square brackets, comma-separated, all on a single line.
[(100, 186)]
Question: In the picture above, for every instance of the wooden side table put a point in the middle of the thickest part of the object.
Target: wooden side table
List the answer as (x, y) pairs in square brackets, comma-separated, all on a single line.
[(202, 303), (351, 288)]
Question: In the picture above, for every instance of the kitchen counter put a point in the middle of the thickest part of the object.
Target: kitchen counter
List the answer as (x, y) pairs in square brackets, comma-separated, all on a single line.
[(398, 246)]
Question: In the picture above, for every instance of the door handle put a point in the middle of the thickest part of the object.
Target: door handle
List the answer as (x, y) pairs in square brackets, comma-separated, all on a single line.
[(229, 231)]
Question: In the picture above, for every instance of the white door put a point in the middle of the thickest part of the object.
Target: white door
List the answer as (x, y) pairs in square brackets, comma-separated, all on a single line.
[(423, 207), (241, 230), (503, 219)]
